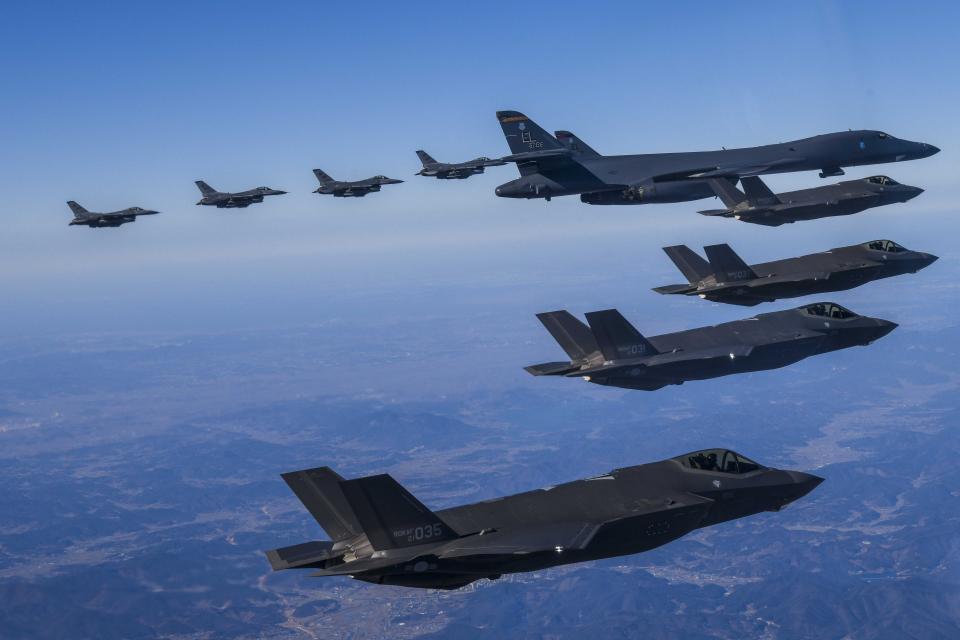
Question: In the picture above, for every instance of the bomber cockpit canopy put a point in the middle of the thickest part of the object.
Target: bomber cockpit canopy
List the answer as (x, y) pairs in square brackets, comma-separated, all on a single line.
[(882, 180), (887, 246), (829, 310), (720, 461)]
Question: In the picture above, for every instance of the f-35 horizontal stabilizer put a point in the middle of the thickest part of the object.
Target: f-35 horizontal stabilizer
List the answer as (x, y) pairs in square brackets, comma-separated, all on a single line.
[(390, 516), (300, 556), (618, 339), (727, 265), (551, 369)]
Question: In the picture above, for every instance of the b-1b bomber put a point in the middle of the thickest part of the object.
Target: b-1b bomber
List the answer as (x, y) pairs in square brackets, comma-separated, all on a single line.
[(381, 534), (759, 205), (611, 352), (725, 277), (564, 165), (94, 219)]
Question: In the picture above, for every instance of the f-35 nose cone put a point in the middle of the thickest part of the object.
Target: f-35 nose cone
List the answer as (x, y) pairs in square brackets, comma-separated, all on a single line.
[(804, 483)]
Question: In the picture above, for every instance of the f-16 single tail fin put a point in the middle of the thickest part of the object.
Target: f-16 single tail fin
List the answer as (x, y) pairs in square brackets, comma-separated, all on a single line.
[(524, 135), (690, 264), (320, 492), (757, 191), (572, 142), (425, 158), (390, 516), (727, 265), (574, 336), (78, 211), (205, 189), (727, 192), (617, 338), (322, 176)]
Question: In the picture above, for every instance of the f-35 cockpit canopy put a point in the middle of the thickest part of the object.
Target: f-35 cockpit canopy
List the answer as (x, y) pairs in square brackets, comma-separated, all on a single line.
[(829, 310), (887, 246), (720, 461), (882, 181)]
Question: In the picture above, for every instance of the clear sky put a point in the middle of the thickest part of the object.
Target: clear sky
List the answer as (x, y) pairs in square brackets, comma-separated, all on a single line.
[(127, 104)]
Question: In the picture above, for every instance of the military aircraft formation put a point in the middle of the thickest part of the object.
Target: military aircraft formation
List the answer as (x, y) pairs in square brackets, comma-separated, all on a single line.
[(380, 533)]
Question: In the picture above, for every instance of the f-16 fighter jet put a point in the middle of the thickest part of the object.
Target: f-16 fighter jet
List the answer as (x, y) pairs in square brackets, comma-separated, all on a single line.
[(109, 219), (613, 353), (238, 200), (551, 167), (757, 204), (725, 277), (355, 189), (454, 171), (380, 533)]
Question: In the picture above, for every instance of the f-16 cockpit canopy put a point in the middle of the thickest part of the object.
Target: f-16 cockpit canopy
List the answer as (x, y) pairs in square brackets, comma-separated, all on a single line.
[(829, 310), (882, 180), (719, 460), (887, 246)]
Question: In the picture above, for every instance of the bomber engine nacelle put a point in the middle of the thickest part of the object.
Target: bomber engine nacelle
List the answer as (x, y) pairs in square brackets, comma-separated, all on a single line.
[(636, 194), (524, 188)]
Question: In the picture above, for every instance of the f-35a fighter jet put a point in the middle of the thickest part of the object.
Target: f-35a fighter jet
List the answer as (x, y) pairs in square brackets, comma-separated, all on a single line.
[(613, 353), (355, 189), (757, 204), (552, 167), (456, 170), (725, 277), (238, 200), (382, 534), (109, 219)]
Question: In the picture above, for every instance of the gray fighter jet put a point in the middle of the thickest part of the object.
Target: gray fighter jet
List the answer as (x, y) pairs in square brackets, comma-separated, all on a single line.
[(725, 277), (109, 219), (757, 204), (380, 533), (238, 200), (355, 189), (549, 167), (454, 171), (613, 353)]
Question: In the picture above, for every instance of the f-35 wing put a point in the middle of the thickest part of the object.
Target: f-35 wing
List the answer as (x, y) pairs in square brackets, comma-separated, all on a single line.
[(673, 357), (569, 535)]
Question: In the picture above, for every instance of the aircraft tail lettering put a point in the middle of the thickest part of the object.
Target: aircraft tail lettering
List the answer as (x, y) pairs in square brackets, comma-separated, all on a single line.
[(727, 266), (617, 338), (390, 516), (524, 135)]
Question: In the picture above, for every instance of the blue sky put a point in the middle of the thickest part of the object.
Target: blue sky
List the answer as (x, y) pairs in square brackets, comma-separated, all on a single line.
[(115, 106)]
